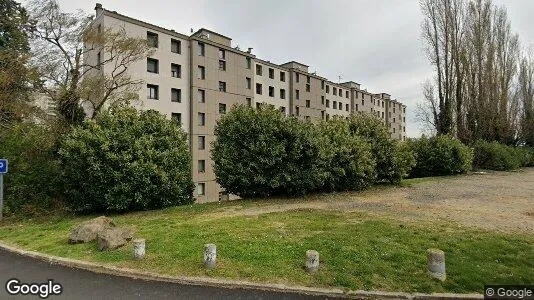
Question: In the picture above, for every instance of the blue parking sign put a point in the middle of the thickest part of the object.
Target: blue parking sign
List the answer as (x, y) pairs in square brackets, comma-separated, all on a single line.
[(3, 166)]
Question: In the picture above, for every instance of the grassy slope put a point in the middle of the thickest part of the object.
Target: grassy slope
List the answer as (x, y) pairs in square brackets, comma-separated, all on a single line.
[(356, 251)]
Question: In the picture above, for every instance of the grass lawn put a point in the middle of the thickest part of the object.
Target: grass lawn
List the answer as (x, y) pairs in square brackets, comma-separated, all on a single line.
[(357, 251)]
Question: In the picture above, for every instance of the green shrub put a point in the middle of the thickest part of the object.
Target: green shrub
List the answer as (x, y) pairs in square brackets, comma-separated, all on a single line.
[(393, 162), (31, 184), (260, 152), (126, 161), (440, 155), (496, 156), (350, 164)]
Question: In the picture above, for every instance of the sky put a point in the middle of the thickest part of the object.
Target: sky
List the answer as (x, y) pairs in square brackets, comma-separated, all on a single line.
[(376, 43)]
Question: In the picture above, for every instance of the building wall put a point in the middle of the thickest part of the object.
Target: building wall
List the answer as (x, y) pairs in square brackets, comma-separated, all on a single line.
[(267, 82)]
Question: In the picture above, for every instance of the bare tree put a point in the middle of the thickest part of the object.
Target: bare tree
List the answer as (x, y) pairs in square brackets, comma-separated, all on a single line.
[(61, 44)]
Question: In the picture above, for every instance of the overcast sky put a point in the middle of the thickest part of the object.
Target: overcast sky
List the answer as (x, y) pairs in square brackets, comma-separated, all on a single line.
[(373, 42)]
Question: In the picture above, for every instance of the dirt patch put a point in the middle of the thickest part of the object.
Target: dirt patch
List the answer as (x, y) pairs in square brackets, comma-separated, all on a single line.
[(498, 201)]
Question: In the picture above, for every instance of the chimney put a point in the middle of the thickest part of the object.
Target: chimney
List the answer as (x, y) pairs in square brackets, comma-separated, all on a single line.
[(249, 50), (98, 8)]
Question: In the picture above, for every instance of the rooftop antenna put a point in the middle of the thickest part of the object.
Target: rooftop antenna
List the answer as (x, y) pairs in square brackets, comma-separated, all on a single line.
[(339, 79), (192, 30)]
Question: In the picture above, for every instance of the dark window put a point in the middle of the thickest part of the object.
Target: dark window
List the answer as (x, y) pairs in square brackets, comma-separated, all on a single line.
[(283, 110), (308, 79), (201, 119), (201, 189), (327, 103), (222, 86), (176, 95), (322, 84), (201, 72), (307, 103), (201, 142), (176, 46), (340, 93), (176, 118), (152, 39), (282, 76), (259, 88), (201, 166), (249, 102), (327, 89), (222, 54), (334, 105), (249, 83), (297, 94), (282, 94), (322, 100), (363, 102), (152, 65), (222, 65), (307, 87), (222, 108), (259, 70), (347, 94), (334, 91), (297, 77), (393, 109), (322, 114), (152, 91), (271, 73), (201, 96), (346, 107), (297, 111), (201, 49), (249, 63), (176, 70), (271, 91)]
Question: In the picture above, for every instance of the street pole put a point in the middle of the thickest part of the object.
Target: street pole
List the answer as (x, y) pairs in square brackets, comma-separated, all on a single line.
[(1, 195)]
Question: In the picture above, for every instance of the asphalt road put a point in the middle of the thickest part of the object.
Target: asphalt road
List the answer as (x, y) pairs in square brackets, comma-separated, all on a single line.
[(81, 284)]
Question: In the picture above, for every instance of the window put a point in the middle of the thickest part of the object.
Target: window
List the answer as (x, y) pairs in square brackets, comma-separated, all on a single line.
[(307, 103), (201, 166), (393, 129), (334, 91), (201, 94), (347, 94), (271, 73), (201, 119), (322, 114), (201, 74), (249, 83), (222, 65), (403, 128), (258, 105), (334, 105), (307, 87), (340, 93), (282, 76), (98, 60), (259, 88), (322, 100), (390, 114), (327, 89), (346, 107), (222, 54), (176, 70), (176, 118), (271, 91), (152, 91), (222, 86), (356, 107), (340, 107), (297, 77), (201, 49), (249, 63), (327, 103), (297, 111), (383, 106), (404, 110), (201, 142), (308, 79), (297, 94), (152, 65), (201, 189), (322, 84), (222, 108), (393, 120), (282, 94), (176, 95), (404, 119), (176, 46), (249, 102), (152, 39), (382, 115), (363, 102), (259, 70), (393, 109), (283, 110)]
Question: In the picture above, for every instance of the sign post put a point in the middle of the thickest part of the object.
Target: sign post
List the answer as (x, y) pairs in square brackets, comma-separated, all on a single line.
[(3, 170)]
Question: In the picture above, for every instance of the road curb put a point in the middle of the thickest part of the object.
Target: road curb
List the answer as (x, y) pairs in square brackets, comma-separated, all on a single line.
[(230, 284)]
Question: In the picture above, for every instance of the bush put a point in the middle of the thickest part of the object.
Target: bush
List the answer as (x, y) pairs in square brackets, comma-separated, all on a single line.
[(260, 152), (126, 161), (440, 155), (393, 161), (500, 157), (350, 164), (30, 187)]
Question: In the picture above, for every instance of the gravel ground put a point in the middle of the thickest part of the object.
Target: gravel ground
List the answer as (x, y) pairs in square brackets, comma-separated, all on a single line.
[(501, 201)]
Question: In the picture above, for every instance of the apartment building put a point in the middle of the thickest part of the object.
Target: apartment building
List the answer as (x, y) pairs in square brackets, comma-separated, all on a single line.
[(196, 79)]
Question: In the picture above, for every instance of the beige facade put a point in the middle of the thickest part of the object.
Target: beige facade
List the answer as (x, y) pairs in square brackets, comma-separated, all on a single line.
[(198, 78)]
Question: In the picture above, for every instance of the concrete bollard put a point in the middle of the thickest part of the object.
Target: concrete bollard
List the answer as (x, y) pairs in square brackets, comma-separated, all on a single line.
[(312, 261), (436, 264), (139, 248), (210, 255)]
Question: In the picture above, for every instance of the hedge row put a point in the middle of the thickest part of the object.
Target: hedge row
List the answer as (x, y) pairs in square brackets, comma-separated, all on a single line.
[(260, 152), (496, 156)]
